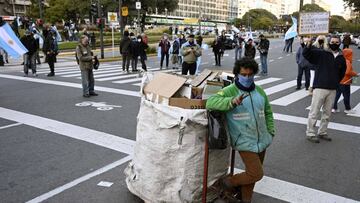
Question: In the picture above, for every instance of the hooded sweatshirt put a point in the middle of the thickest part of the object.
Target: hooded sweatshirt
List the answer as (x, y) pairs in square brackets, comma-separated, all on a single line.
[(348, 54)]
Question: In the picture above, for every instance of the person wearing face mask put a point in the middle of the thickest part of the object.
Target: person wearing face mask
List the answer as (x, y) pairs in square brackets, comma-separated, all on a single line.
[(250, 50), (165, 45), (304, 66), (250, 124), (135, 49), (190, 51), (330, 67)]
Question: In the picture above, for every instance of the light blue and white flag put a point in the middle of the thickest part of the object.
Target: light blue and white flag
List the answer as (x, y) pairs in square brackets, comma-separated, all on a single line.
[(10, 43), (292, 32)]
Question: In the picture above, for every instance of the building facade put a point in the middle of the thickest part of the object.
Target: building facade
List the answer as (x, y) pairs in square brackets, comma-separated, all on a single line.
[(215, 10), (14, 7)]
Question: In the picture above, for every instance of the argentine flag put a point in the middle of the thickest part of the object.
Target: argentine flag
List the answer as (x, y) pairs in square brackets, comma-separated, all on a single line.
[(10, 43), (292, 32)]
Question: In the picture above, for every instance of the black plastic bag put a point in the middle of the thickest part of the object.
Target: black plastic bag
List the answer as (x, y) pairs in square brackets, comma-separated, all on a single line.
[(217, 133)]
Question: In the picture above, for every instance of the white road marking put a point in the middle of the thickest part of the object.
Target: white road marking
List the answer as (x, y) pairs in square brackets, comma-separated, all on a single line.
[(268, 186), (358, 60), (9, 126), (291, 98), (84, 178), (287, 54), (353, 89), (204, 63), (139, 78), (266, 81), (280, 87), (226, 54), (357, 110), (80, 133), (74, 85), (257, 57), (271, 60), (105, 184), (280, 57), (65, 75)]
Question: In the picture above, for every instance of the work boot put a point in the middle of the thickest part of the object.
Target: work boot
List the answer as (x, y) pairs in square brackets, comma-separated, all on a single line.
[(225, 192)]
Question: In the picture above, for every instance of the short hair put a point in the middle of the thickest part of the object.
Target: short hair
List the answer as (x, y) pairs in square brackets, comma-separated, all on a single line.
[(83, 37), (336, 37), (245, 63)]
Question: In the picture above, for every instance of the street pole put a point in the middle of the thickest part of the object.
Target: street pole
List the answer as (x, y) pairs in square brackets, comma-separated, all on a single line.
[(13, 4), (200, 18), (139, 27), (120, 18), (101, 30), (301, 4), (40, 9)]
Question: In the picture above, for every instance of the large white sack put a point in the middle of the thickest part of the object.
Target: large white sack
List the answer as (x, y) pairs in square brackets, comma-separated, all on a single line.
[(168, 160)]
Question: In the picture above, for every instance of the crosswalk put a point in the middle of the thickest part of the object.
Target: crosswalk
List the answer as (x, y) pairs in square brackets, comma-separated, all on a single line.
[(113, 73)]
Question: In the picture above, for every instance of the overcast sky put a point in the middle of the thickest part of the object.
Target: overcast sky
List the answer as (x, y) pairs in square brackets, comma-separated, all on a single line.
[(337, 6)]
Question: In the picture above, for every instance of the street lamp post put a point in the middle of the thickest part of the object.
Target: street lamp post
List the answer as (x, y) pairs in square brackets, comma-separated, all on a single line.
[(200, 16), (101, 29)]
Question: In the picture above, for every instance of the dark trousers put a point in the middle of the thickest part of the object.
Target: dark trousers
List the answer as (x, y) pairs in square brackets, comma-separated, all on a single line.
[(125, 61), (143, 64), (345, 91), (50, 58), (346, 46), (217, 58), (306, 71), (188, 67), (134, 62), (163, 55)]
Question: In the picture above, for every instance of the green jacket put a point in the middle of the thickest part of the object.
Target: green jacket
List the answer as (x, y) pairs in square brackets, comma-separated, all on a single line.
[(251, 124), (84, 55)]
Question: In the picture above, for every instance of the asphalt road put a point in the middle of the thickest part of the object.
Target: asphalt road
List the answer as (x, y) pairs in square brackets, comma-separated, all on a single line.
[(55, 149)]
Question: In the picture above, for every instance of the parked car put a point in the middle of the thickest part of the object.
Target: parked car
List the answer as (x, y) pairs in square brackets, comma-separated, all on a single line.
[(229, 42)]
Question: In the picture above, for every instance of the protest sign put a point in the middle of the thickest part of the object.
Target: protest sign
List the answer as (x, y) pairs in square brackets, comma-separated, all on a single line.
[(314, 23)]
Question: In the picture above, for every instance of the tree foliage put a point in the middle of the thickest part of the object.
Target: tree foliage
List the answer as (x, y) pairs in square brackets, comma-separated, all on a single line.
[(258, 18), (309, 8), (355, 4)]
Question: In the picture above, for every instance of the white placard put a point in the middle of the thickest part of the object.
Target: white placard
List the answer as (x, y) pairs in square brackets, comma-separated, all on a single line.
[(314, 23), (138, 5)]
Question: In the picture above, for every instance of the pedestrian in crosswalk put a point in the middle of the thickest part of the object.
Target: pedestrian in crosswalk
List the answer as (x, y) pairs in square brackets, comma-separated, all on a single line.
[(251, 127), (30, 57), (51, 50), (134, 52), (175, 52), (304, 67), (330, 69), (321, 42), (263, 48), (190, 51), (86, 58), (164, 45), (344, 87), (218, 49), (250, 50), (125, 51)]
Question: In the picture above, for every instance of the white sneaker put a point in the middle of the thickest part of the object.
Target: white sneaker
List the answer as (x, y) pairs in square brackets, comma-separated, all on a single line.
[(351, 111), (335, 110)]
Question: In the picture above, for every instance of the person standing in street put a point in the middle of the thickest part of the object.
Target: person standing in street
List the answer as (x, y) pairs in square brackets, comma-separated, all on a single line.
[(330, 69), (190, 51), (142, 52), (321, 42), (263, 48), (125, 51), (303, 67), (135, 49), (175, 52), (346, 41), (217, 49), (37, 39), (289, 45), (182, 41), (51, 50), (239, 41), (250, 50), (29, 42), (344, 87), (250, 123), (86, 61), (164, 45)]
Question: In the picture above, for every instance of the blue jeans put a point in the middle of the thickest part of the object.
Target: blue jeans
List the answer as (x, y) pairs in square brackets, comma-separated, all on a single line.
[(238, 52), (263, 60), (87, 80), (345, 91)]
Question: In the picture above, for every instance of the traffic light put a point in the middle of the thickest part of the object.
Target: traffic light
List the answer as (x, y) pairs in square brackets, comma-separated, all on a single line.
[(94, 10), (100, 22)]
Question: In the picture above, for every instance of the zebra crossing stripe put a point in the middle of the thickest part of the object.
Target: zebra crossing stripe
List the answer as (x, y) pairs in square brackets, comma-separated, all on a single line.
[(266, 81), (357, 110), (108, 70), (132, 75), (280, 87), (290, 98), (352, 90), (138, 79), (114, 74)]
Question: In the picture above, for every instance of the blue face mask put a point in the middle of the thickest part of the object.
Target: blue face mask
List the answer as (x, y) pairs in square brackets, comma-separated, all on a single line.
[(246, 81)]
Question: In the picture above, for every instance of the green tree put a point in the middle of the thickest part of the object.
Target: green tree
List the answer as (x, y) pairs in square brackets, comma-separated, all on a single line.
[(355, 4), (258, 18)]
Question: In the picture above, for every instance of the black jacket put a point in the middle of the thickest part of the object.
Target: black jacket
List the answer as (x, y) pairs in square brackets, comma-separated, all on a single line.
[(264, 46), (30, 44), (125, 45), (176, 47), (218, 46), (138, 49), (250, 51), (329, 70), (50, 45)]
